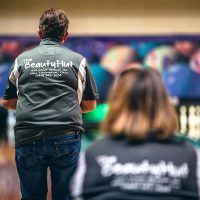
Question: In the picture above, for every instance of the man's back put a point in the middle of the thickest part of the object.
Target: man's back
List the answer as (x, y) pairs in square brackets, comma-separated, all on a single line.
[(51, 80), (49, 86)]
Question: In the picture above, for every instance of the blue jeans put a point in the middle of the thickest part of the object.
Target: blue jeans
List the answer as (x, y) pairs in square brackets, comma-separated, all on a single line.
[(60, 154)]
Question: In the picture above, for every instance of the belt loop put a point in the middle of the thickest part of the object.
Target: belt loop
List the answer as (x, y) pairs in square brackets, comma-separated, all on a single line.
[(79, 134)]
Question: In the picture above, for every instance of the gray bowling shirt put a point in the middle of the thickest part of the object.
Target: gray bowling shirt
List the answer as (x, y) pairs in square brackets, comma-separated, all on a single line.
[(49, 81)]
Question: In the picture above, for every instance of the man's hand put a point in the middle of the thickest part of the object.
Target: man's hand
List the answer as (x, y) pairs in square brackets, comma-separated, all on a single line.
[(88, 105), (10, 104)]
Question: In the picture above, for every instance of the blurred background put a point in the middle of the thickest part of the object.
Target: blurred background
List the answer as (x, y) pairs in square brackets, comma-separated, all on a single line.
[(113, 35)]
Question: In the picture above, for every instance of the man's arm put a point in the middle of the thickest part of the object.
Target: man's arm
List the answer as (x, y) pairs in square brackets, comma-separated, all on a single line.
[(10, 104), (10, 96), (88, 105), (90, 93)]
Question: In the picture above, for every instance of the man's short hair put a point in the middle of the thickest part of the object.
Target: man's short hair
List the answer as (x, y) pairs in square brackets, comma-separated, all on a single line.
[(53, 23)]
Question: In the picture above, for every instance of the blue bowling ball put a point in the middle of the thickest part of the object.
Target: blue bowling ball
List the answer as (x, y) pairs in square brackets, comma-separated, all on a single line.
[(4, 73), (178, 80), (194, 91), (104, 80), (143, 48)]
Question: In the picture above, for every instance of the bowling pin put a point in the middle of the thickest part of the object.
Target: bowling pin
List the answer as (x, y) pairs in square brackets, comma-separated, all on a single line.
[(192, 122), (183, 119)]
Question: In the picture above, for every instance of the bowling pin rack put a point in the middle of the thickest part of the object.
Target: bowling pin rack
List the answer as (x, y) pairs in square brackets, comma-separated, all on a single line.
[(189, 118)]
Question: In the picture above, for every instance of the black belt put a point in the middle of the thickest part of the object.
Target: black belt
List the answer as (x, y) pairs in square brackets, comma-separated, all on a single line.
[(55, 133)]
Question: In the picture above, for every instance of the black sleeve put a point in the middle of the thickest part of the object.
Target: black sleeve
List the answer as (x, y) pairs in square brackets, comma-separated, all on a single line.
[(11, 91), (90, 92)]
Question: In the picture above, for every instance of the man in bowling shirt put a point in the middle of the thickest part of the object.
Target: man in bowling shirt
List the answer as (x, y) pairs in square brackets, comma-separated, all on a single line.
[(49, 86)]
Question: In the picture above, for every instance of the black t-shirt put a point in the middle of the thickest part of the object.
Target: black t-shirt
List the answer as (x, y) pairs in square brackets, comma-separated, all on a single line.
[(50, 81), (115, 169)]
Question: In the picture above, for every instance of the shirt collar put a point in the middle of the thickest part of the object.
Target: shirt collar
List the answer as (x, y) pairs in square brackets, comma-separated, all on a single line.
[(50, 41)]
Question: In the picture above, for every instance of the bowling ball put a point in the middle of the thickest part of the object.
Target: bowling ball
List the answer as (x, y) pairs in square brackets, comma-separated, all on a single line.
[(194, 91), (91, 123), (12, 48), (161, 57), (115, 59), (195, 62), (178, 80), (185, 48), (143, 48), (4, 73), (97, 115), (104, 80)]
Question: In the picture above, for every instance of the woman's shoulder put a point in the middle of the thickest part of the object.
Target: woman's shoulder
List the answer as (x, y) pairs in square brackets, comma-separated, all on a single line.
[(102, 143), (115, 144), (184, 142), (106, 144)]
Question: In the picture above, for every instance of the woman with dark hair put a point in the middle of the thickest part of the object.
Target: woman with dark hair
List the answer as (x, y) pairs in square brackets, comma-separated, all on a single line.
[(141, 158)]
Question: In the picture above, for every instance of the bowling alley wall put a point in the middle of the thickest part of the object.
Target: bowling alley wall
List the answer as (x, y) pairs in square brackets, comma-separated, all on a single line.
[(113, 35)]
